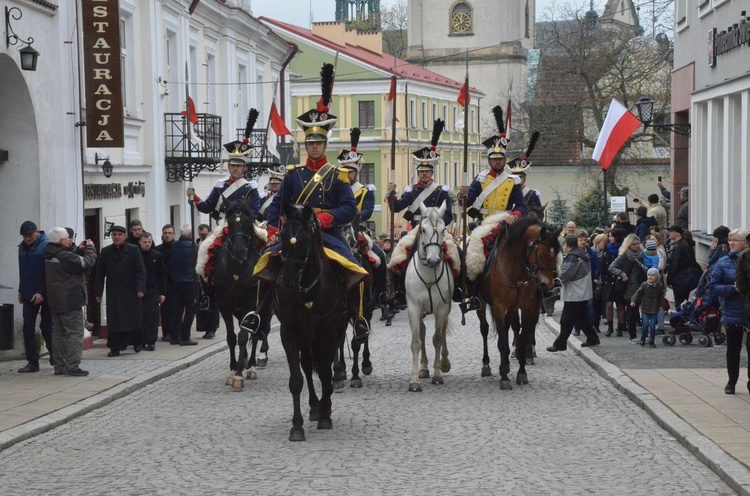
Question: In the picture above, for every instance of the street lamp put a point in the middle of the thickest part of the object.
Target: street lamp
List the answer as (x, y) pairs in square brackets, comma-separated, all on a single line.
[(106, 164), (29, 56), (646, 114)]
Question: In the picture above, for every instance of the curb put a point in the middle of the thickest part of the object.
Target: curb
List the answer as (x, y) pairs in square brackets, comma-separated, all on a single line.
[(50, 421), (734, 473)]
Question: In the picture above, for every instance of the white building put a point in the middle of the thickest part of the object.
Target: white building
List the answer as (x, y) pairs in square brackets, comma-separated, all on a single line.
[(48, 171)]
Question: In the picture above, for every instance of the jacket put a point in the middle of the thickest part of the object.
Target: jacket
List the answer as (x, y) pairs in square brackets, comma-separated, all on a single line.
[(681, 266), (31, 268), (723, 276), (633, 269), (183, 260), (642, 227), (156, 273), (650, 297), (743, 273), (66, 273), (576, 276)]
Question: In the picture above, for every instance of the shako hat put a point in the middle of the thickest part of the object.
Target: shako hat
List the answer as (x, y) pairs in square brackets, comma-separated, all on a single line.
[(521, 165), (426, 158), (276, 177), (349, 159), (497, 144), (317, 122), (239, 150)]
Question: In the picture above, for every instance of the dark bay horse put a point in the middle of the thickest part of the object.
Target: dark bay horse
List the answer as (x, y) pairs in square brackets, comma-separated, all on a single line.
[(311, 302), (522, 263), (237, 290)]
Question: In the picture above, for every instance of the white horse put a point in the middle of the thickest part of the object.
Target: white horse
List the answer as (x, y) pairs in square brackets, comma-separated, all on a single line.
[(429, 286)]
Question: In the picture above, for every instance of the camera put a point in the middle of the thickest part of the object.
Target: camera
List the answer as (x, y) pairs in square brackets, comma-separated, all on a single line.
[(636, 200)]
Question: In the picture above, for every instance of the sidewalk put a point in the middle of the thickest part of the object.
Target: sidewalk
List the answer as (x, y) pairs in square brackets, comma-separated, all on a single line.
[(689, 403)]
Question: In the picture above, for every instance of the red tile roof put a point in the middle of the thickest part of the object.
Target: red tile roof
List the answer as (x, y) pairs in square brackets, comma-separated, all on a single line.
[(380, 61)]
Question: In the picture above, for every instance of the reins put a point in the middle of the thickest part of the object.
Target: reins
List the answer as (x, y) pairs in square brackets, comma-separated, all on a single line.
[(422, 256)]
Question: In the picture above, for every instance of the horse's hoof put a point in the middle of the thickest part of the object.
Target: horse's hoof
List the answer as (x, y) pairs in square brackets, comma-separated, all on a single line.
[(437, 380), (415, 387), (232, 365), (297, 434), (445, 365), (229, 380), (314, 414), (325, 424), (522, 379), (505, 385), (486, 371), (338, 385), (238, 383), (262, 362), (424, 374), (356, 383), (367, 369), (252, 375)]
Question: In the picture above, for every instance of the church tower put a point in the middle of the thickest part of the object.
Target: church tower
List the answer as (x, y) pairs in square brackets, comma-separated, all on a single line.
[(497, 36), (364, 13)]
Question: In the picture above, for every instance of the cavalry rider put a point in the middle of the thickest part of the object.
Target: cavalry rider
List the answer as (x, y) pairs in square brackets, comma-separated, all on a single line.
[(519, 167), (274, 181), (235, 187), (349, 161), (494, 190), (323, 187)]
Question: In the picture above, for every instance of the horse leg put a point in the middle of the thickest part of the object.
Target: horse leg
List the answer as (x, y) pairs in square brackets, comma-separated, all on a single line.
[(263, 355), (515, 324), (417, 337), (445, 363), (252, 373), (313, 402), (424, 372), (297, 433), (366, 363), (438, 342), (504, 349), (239, 382), (324, 375), (525, 337), (484, 329), (339, 375), (356, 382)]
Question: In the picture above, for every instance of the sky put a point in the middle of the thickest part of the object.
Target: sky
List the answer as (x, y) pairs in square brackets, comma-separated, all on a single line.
[(298, 11)]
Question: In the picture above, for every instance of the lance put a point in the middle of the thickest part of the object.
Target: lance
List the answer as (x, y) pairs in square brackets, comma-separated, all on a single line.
[(392, 178), (190, 175), (464, 206)]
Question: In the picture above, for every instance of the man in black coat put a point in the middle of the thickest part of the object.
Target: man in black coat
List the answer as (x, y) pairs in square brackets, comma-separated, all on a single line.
[(682, 270), (165, 248), (156, 289), (121, 265)]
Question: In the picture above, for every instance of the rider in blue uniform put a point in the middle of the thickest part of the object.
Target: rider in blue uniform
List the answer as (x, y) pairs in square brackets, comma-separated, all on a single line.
[(320, 185), (235, 187), (519, 167), (274, 182)]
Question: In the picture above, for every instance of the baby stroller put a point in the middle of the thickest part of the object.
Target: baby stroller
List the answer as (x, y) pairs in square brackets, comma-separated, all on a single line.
[(701, 315)]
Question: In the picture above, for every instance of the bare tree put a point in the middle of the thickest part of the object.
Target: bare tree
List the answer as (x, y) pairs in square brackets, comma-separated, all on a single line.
[(394, 23)]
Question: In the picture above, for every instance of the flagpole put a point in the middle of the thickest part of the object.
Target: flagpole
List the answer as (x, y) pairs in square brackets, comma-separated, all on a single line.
[(190, 174), (465, 177), (268, 121), (605, 207), (391, 292)]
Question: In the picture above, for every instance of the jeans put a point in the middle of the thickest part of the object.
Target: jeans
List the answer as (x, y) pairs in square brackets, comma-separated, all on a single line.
[(30, 311), (649, 324), (660, 320)]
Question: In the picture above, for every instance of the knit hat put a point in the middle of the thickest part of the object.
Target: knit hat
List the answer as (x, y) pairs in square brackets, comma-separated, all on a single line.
[(650, 244), (28, 228), (653, 271)]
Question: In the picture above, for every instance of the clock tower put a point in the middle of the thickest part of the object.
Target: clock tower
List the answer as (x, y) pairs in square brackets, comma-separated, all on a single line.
[(496, 34)]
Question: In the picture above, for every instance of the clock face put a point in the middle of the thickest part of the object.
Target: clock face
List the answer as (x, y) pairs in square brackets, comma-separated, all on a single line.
[(462, 22)]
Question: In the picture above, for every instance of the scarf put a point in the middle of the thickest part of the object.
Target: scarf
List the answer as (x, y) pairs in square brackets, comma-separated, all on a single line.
[(634, 255), (613, 250)]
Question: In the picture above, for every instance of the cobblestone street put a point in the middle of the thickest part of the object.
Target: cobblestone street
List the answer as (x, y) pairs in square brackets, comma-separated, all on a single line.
[(568, 432)]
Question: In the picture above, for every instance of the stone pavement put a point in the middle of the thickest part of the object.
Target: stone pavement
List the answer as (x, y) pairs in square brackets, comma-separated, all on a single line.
[(688, 403)]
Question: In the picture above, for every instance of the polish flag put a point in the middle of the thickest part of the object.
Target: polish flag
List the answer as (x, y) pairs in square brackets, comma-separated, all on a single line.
[(389, 104), (618, 126), (463, 95), (192, 114), (276, 128)]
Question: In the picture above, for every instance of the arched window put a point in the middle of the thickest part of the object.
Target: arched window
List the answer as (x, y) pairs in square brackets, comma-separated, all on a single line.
[(461, 19)]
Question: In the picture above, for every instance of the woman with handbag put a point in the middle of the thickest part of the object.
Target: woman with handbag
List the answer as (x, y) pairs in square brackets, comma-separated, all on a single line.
[(629, 270), (612, 291)]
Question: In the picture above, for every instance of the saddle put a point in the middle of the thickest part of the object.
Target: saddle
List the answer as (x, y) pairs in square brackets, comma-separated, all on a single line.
[(403, 250), (481, 243), (209, 247)]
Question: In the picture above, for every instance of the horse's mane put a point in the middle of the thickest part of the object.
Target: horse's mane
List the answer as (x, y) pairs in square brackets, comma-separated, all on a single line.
[(237, 205), (517, 230)]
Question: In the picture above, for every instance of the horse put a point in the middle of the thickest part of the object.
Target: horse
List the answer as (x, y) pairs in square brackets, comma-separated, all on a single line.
[(370, 291), (429, 286), (522, 262), (237, 290), (310, 296)]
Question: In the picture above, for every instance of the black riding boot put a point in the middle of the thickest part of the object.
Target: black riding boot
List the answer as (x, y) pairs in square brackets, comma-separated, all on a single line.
[(361, 326)]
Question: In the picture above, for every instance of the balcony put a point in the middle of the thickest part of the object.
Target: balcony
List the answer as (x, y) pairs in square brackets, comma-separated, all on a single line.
[(186, 158), (260, 159)]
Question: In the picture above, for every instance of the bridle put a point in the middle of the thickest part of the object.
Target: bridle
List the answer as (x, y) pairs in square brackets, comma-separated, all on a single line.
[(241, 234), (532, 268), (421, 253)]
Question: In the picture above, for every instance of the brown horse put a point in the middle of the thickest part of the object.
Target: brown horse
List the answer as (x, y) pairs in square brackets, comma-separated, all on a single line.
[(522, 262)]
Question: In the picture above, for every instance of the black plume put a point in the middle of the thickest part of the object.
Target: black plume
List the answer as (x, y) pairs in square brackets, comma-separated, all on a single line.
[(437, 130), (532, 144), (497, 111), (355, 132), (252, 116), (326, 83)]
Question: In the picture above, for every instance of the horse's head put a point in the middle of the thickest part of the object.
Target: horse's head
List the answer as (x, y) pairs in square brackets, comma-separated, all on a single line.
[(241, 235), (547, 248), (536, 212), (431, 234), (301, 242), (531, 243)]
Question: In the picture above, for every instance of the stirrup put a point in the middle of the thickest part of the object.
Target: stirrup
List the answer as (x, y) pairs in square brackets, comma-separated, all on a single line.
[(250, 323), (470, 304), (361, 329)]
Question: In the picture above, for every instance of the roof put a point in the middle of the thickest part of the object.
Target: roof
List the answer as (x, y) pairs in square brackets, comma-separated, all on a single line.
[(383, 62)]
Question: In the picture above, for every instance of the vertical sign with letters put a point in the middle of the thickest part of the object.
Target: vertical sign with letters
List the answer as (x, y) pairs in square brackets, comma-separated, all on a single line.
[(102, 73)]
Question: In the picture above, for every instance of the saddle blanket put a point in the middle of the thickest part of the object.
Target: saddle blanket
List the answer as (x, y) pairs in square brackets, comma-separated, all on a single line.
[(207, 248), (402, 251), (480, 244), (365, 244)]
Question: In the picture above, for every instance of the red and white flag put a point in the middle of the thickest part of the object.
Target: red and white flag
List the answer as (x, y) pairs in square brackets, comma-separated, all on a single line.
[(618, 126), (389, 104), (463, 95), (192, 114), (276, 128)]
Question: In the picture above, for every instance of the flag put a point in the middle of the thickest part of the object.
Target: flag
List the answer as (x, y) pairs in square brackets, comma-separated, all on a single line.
[(193, 6), (618, 126), (192, 114), (463, 95), (389, 104), (276, 128)]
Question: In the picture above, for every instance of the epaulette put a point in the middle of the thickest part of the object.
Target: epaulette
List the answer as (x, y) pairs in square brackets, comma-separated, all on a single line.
[(371, 187), (445, 188), (408, 189), (253, 184), (482, 175), (517, 179), (220, 183), (536, 193), (290, 168), (344, 176)]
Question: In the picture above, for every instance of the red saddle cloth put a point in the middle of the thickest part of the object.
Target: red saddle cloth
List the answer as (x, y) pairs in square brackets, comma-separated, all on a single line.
[(364, 249), (400, 269), (488, 242), (213, 249)]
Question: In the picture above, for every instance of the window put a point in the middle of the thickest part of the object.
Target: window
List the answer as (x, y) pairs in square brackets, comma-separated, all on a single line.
[(473, 121), (681, 11), (473, 171), (259, 92), (367, 174), (413, 114), (456, 179), (424, 115), (128, 67), (446, 177), (455, 118), (366, 112), (445, 115), (434, 111), (211, 102), (461, 20), (172, 71)]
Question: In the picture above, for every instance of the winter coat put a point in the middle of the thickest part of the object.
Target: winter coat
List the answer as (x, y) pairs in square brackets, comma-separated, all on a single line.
[(743, 272), (156, 273), (31, 268), (721, 250), (183, 261), (651, 261), (576, 276), (125, 274), (166, 252), (66, 273), (723, 276), (650, 297), (682, 216), (682, 270), (594, 261), (633, 269), (608, 279), (642, 227)]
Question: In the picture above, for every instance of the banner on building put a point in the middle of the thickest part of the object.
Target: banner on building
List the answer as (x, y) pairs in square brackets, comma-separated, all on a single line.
[(102, 73)]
